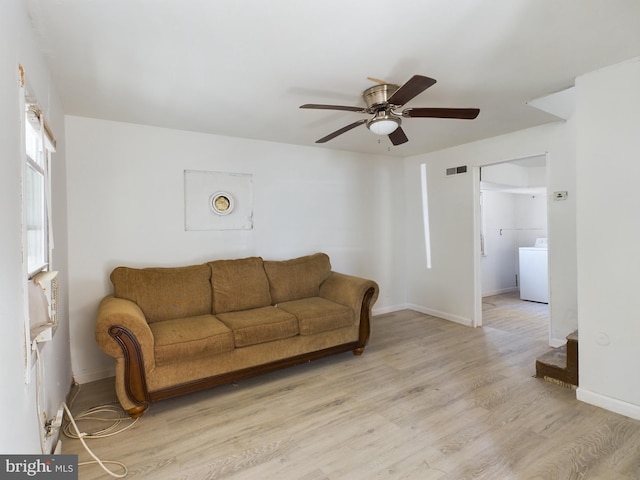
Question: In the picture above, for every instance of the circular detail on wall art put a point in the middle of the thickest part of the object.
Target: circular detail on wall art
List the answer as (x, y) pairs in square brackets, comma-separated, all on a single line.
[(221, 203)]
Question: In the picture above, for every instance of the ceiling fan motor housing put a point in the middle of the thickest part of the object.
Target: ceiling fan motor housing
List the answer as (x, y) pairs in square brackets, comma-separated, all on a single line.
[(378, 96)]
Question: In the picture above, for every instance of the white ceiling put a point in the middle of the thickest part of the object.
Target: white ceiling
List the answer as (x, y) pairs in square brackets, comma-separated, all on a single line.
[(243, 67)]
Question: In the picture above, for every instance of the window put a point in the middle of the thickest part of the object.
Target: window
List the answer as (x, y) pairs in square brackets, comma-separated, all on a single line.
[(37, 224), (34, 199)]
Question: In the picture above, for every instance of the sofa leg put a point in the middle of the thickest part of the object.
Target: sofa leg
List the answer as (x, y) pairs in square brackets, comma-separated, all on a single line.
[(358, 351), (136, 412)]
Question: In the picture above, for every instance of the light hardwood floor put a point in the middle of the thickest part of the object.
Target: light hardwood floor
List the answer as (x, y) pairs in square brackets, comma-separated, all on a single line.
[(429, 399)]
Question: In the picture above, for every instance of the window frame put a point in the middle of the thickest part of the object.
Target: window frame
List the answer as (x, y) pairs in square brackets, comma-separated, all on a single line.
[(37, 218)]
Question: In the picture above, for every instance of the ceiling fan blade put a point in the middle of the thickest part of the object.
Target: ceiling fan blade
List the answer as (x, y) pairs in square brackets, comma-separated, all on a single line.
[(414, 87), (381, 82), (341, 131), (334, 107), (462, 113), (377, 80), (398, 137)]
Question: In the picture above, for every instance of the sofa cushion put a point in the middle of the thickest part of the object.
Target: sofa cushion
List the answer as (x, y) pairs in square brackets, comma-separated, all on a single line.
[(189, 338), (260, 325), (165, 293), (297, 278), (317, 314), (239, 285)]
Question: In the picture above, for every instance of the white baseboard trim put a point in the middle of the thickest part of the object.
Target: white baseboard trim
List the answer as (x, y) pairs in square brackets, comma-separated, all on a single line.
[(617, 406), (557, 342), (391, 309), (444, 315), (499, 291), (89, 376)]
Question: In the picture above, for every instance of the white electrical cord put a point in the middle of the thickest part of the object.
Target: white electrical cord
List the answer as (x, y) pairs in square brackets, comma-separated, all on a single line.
[(93, 414), (39, 382), (81, 436), (106, 432)]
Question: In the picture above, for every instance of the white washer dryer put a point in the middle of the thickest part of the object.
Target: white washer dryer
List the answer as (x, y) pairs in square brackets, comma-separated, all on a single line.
[(534, 272)]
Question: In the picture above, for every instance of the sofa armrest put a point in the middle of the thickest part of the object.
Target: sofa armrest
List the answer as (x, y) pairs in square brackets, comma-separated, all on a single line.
[(122, 332), (118, 312), (358, 293), (348, 290)]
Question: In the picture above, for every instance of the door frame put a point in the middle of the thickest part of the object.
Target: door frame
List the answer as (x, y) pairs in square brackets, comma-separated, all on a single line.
[(477, 232)]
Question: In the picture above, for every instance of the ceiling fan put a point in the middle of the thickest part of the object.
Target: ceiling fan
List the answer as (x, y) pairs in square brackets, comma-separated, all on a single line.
[(383, 100)]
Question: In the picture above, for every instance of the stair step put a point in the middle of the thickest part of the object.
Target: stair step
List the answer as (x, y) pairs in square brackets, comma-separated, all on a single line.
[(556, 357), (560, 365)]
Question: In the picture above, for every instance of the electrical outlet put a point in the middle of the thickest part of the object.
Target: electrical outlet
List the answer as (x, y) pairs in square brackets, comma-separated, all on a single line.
[(561, 195), (53, 426), (57, 423)]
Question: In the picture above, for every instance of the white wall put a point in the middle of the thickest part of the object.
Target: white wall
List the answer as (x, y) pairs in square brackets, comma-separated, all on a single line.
[(531, 218), (507, 173), (608, 172), (126, 207), (20, 425), (499, 262), (448, 289), (511, 221)]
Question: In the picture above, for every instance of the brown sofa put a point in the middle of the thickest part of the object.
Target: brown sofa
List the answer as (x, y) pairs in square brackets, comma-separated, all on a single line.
[(177, 330)]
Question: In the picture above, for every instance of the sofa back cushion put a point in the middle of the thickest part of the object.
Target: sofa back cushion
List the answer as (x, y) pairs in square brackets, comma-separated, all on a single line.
[(239, 284), (165, 293), (297, 278)]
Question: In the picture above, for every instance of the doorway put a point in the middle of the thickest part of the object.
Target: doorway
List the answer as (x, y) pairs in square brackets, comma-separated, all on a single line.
[(511, 215)]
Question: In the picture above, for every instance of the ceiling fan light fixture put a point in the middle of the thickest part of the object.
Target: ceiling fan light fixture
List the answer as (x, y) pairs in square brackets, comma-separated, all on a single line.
[(384, 102), (383, 124)]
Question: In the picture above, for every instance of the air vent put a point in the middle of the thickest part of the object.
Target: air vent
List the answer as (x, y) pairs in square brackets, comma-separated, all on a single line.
[(456, 170)]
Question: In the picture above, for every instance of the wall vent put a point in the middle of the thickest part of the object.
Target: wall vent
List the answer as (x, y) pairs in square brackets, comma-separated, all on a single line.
[(456, 170)]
